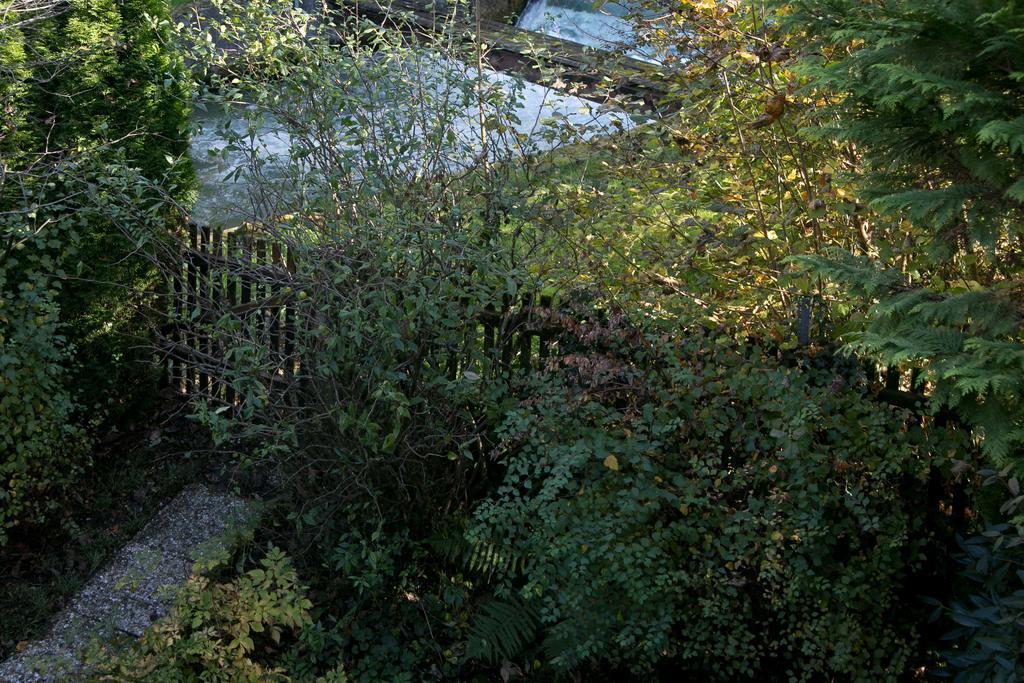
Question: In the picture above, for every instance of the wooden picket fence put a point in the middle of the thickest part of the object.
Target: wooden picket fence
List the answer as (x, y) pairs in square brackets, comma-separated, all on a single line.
[(216, 264), (252, 276), (223, 264)]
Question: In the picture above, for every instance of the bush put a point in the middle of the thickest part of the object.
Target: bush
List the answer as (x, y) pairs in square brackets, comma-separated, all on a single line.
[(705, 507), (396, 234), (984, 640), (42, 450), (221, 631), (379, 401)]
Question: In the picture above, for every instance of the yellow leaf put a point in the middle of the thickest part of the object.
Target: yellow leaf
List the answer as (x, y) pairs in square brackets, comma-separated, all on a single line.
[(612, 463)]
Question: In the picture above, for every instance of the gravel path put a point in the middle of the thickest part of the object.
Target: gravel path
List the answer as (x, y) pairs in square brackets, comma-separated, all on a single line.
[(134, 589)]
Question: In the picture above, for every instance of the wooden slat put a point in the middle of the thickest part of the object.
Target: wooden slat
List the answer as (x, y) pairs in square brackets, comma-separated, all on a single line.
[(491, 339), (892, 378), (525, 336), (216, 294), (191, 380), (278, 310), (232, 284), (202, 294), (262, 288), (173, 312), (245, 265), (544, 336), (290, 315), (505, 334)]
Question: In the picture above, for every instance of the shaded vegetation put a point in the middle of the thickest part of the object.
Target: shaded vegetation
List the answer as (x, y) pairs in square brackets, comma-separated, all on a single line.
[(133, 476), (727, 392), (95, 113)]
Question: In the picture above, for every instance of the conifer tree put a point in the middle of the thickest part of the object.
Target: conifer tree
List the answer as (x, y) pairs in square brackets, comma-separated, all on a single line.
[(930, 93), (90, 92)]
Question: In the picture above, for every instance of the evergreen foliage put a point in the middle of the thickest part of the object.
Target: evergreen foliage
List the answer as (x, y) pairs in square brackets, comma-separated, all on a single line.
[(930, 93), (94, 116)]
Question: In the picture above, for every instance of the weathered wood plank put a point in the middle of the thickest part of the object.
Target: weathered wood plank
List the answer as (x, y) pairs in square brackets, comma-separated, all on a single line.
[(587, 71)]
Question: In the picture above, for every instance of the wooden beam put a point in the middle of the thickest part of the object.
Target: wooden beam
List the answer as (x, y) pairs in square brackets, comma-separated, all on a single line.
[(581, 70)]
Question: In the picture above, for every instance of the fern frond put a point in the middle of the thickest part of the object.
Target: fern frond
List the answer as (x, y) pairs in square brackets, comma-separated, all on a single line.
[(559, 646), (487, 560), (481, 558), (1016, 191), (501, 631)]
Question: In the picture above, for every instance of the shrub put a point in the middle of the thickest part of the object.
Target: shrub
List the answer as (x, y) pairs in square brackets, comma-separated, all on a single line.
[(42, 450), (984, 640), (401, 233), (397, 234), (704, 506), (221, 631)]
